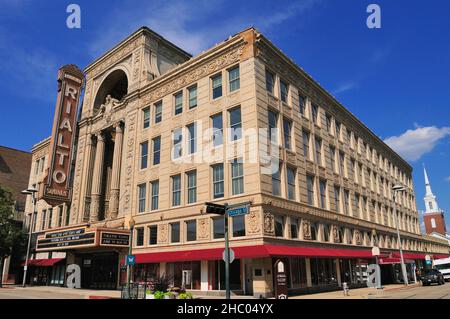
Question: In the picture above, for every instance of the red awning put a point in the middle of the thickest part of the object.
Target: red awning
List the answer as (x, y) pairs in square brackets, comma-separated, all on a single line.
[(409, 255), (390, 261), (43, 262), (260, 251), (440, 256)]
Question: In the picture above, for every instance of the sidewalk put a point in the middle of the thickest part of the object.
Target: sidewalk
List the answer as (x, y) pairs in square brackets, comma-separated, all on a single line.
[(360, 293), (74, 293)]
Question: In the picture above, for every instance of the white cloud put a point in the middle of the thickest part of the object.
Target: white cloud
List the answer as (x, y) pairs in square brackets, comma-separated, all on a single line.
[(448, 180), (193, 27), (413, 144), (346, 86)]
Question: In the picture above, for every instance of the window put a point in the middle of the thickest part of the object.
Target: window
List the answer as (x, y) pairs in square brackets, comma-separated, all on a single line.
[(178, 103), (273, 119), (191, 230), (315, 112), (323, 194), (218, 227), (192, 138), (144, 155), (233, 77), (238, 226), (158, 112), (34, 222), (235, 124), (192, 186), (318, 151), (50, 217), (302, 104), (291, 183), (177, 143), (358, 205), (287, 134), (270, 82), (217, 86), (217, 123), (338, 129), (328, 123), (346, 202), (67, 216), (140, 236), (276, 179), (192, 96), (218, 181), (279, 226), (341, 163), (326, 233), (333, 158), (314, 229), (306, 144), (310, 189), (176, 190), (156, 142), (175, 233), (146, 117), (155, 195), (142, 190), (153, 235), (284, 87), (60, 215), (237, 177), (43, 219), (294, 228), (337, 198)]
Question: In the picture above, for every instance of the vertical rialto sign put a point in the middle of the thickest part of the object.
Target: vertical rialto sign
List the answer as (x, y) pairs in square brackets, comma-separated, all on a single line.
[(70, 84)]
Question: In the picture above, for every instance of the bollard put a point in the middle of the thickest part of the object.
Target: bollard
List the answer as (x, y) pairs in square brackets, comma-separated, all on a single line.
[(346, 289)]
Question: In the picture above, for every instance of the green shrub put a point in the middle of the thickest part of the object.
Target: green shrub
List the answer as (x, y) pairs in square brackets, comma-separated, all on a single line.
[(185, 295), (159, 295)]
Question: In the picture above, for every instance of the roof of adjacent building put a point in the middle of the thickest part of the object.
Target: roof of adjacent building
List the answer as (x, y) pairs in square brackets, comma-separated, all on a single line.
[(15, 168)]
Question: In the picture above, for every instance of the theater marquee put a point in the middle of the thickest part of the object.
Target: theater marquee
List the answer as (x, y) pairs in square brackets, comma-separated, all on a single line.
[(70, 84)]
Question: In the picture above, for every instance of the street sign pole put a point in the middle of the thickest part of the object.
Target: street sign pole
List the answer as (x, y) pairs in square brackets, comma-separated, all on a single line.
[(227, 255)]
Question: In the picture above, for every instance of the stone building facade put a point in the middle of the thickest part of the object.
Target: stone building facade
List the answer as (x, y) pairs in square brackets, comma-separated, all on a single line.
[(142, 153)]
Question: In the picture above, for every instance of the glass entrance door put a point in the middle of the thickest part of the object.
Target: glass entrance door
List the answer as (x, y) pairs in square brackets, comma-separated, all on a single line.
[(99, 271)]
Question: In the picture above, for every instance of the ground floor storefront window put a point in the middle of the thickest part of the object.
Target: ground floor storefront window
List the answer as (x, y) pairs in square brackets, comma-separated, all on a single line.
[(39, 276), (217, 275), (191, 270), (297, 273), (354, 271), (58, 275), (146, 272), (323, 272)]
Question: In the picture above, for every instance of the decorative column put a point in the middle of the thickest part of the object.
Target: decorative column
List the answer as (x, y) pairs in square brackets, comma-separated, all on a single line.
[(97, 178), (115, 176)]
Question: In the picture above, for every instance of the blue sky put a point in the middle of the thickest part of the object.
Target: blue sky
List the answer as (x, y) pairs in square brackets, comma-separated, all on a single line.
[(395, 79)]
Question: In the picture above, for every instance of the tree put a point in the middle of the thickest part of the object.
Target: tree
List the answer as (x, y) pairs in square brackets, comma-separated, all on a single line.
[(10, 230)]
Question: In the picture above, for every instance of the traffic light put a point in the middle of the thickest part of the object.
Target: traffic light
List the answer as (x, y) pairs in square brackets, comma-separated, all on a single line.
[(212, 208)]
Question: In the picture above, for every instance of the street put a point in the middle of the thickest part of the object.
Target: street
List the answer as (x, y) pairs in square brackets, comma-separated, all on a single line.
[(389, 292)]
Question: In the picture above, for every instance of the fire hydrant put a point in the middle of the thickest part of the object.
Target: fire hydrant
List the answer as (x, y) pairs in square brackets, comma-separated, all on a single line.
[(346, 289)]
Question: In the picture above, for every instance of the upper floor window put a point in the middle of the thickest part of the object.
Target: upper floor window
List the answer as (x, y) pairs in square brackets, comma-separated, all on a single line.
[(333, 158), (291, 183), (315, 112), (153, 235), (234, 78), (158, 112), (276, 180), (273, 124), (192, 96), (302, 104), (192, 186), (238, 226), (318, 151), (176, 190), (216, 86), (284, 90), (50, 217), (346, 202), (155, 195), (144, 155), (279, 226), (294, 223), (328, 123), (218, 227), (60, 216), (306, 145), (287, 133), (179, 103), (338, 129), (140, 236), (191, 230), (142, 192), (175, 232), (146, 117), (237, 177), (177, 143), (323, 194), (310, 189), (156, 150), (218, 181), (235, 124), (337, 198), (192, 138), (270, 82), (43, 219), (217, 123)]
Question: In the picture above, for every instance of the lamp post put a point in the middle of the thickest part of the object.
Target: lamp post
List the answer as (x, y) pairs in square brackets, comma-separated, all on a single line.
[(30, 191), (131, 224), (395, 189)]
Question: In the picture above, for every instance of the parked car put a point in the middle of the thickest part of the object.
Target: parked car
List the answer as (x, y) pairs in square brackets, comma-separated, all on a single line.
[(432, 276)]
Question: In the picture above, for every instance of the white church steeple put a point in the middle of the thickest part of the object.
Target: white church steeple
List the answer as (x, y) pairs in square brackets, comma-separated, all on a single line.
[(431, 205)]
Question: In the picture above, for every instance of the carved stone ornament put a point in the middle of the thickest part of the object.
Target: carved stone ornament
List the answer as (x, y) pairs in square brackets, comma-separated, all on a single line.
[(254, 222), (203, 228), (269, 224), (306, 229), (163, 231), (358, 238), (336, 238)]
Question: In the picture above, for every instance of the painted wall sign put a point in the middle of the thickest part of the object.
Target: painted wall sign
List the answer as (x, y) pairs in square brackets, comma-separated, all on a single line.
[(70, 83)]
